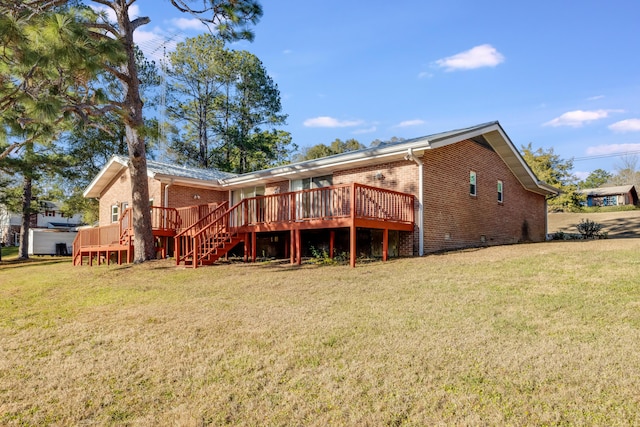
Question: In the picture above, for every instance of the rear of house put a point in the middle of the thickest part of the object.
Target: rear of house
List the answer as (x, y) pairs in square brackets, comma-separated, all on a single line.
[(465, 188)]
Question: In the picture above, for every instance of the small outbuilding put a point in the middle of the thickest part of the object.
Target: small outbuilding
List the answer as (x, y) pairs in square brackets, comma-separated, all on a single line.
[(611, 196)]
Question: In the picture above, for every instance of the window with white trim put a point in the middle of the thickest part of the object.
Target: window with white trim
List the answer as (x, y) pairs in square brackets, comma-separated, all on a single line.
[(500, 192), (115, 213), (472, 183)]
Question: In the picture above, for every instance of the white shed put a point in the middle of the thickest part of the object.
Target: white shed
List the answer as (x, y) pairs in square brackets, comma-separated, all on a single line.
[(50, 241)]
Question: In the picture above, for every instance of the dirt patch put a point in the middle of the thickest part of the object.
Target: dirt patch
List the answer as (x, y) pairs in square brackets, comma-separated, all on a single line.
[(616, 224)]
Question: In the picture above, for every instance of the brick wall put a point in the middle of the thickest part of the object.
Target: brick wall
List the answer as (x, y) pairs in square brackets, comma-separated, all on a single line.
[(276, 188), (180, 196), (398, 176), (117, 193), (120, 191), (455, 219)]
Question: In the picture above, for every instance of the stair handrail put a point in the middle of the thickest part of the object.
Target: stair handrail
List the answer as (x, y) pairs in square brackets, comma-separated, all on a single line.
[(211, 216), (220, 229), (192, 241)]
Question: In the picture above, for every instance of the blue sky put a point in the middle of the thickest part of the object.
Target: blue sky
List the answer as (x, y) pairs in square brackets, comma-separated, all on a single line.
[(559, 74)]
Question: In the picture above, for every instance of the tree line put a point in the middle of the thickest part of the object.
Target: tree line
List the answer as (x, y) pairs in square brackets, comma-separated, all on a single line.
[(556, 171), (59, 61)]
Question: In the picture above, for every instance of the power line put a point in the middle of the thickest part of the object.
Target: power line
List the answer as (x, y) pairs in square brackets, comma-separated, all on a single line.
[(602, 156)]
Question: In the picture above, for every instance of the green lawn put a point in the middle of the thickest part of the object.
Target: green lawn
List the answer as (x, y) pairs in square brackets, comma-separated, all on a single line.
[(539, 334), (9, 252)]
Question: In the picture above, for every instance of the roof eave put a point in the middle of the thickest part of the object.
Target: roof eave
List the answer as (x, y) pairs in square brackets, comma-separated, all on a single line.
[(108, 172)]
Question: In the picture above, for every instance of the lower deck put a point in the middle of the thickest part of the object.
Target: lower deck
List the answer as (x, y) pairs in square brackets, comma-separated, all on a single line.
[(335, 215)]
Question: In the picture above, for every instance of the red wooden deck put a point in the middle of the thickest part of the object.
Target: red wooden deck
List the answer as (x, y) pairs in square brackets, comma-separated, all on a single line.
[(205, 233)]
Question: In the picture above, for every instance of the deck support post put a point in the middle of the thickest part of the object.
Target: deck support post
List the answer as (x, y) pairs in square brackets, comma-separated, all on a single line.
[(352, 245), (246, 247), (352, 233), (385, 244), (298, 247), (292, 246), (332, 241), (253, 246)]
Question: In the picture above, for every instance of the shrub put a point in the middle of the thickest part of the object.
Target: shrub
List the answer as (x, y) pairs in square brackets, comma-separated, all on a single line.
[(590, 229)]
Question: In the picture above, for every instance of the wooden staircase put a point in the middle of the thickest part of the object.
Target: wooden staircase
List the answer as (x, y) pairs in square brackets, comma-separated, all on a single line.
[(209, 239)]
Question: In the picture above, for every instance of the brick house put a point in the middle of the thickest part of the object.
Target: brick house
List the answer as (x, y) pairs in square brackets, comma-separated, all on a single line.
[(463, 188)]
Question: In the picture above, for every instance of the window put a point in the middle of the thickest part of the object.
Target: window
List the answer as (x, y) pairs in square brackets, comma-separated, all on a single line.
[(245, 193), (124, 206), (115, 213), (307, 183), (49, 213), (472, 183), (500, 193), (313, 204), (610, 201)]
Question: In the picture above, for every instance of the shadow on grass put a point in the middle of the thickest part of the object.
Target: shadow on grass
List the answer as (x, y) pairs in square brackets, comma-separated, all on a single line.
[(617, 228), (17, 262)]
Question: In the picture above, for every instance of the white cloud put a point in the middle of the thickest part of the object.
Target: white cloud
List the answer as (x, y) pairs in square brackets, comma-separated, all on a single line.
[(287, 52), (424, 75), (629, 125), (600, 150), (408, 123), (367, 130), (480, 56), (330, 122), (595, 98), (578, 118), (189, 24)]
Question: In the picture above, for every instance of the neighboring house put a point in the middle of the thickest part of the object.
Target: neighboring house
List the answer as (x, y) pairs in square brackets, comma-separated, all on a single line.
[(48, 216), (611, 196), (463, 188), (9, 228)]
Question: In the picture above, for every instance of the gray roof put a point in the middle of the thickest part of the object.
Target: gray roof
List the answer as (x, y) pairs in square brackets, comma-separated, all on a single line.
[(167, 169), (606, 191), (490, 134), (158, 170)]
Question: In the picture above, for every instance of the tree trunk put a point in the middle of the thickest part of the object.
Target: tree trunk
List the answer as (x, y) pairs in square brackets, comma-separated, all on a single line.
[(144, 242), (26, 218)]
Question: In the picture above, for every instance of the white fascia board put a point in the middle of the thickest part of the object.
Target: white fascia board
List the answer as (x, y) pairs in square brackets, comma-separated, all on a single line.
[(108, 171), (175, 180), (541, 185)]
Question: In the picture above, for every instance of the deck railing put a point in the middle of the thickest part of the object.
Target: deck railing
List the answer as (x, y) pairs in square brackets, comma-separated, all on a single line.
[(95, 237), (189, 215), (184, 239), (201, 228), (120, 233), (327, 203)]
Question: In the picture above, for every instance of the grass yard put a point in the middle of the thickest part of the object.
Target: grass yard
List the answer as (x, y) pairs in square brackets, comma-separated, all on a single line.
[(538, 334)]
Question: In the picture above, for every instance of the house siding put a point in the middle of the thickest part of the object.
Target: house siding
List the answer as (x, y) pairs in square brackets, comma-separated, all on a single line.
[(455, 219)]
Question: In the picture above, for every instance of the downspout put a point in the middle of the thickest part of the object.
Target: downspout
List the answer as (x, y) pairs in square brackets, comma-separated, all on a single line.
[(166, 193), (420, 164)]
